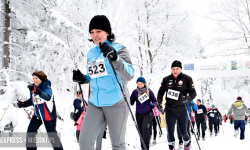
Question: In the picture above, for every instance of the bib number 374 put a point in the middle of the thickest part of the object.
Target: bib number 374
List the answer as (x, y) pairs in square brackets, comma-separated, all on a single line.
[(173, 94), (97, 68)]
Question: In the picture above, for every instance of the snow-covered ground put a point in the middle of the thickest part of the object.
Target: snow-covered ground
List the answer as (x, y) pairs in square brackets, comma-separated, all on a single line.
[(64, 100)]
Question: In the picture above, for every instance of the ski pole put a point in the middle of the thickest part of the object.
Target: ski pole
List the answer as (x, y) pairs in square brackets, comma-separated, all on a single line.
[(221, 125), (27, 113), (124, 96), (156, 119), (168, 138), (42, 119), (30, 119), (192, 126), (5, 111)]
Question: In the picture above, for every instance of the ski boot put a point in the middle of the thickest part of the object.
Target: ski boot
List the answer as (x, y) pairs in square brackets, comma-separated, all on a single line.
[(211, 134), (187, 145), (154, 141), (236, 132), (181, 145), (77, 136)]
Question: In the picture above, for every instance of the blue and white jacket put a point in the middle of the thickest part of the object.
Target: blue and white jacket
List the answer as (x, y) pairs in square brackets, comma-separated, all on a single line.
[(105, 90), (45, 102)]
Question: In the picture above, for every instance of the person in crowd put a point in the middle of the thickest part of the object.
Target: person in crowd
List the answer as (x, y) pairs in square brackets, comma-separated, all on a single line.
[(191, 106), (79, 113), (42, 99), (225, 118), (213, 116), (179, 89), (200, 119), (239, 109), (145, 102), (231, 117), (153, 125), (106, 102), (218, 121), (193, 121)]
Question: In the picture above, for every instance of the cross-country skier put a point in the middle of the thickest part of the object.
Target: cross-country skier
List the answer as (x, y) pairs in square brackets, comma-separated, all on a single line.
[(200, 119), (194, 107), (145, 102), (79, 113), (156, 120), (106, 101), (179, 89), (219, 121), (42, 99), (239, 109), (193, 121), (213, 116)]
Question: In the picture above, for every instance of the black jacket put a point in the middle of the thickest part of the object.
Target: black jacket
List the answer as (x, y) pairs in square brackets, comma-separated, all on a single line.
[(213, 115), (182, 84), (198, 114)]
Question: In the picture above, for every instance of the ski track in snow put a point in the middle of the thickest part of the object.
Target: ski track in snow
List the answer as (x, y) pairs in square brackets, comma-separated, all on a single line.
[(225, 141)]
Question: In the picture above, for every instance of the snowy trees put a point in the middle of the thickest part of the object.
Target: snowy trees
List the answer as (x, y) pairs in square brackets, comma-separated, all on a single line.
[(46, 32), (233, 18), (41, 39), (162, 32)]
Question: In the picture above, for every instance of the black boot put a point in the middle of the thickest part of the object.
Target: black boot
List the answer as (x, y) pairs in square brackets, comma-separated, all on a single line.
[(77, 136)]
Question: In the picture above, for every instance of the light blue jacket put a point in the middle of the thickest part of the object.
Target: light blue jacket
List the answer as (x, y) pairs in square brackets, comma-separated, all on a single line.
[(105, 90)]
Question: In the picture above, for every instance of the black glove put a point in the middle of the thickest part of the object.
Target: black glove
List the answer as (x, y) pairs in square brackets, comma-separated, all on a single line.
[(31, 86), (38, 91), (79, 77), (184, 99), (191, 104), (20, 104), (108, 51), (226, 118), (160, 109)]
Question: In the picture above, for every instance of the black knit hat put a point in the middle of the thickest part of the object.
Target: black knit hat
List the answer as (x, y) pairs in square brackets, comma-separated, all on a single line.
[(100, 22), (176, 63)]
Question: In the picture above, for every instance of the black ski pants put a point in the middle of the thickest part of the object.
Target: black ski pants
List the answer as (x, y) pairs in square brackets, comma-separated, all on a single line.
[(154, 126), (201, 123), (192, 128), (179, 132), (211, 124), (51, 130), (181, 118), (144, 122)]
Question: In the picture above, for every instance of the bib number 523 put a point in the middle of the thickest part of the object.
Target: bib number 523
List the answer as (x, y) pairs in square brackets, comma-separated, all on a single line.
[(95, 69)]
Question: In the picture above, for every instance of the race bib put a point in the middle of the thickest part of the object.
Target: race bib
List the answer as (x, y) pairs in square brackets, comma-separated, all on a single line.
[(211, 115), (173, 94), (199, 111), (143, 98), (97, 68), (39, 100)]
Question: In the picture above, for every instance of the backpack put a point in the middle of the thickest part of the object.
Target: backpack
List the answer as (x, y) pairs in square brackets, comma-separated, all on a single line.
[(73, 114)]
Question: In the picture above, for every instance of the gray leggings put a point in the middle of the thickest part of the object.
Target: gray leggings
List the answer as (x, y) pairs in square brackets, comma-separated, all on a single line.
[(95, 121)]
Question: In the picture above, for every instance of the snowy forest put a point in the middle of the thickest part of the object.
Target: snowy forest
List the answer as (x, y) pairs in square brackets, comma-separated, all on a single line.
[(52, 35)]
